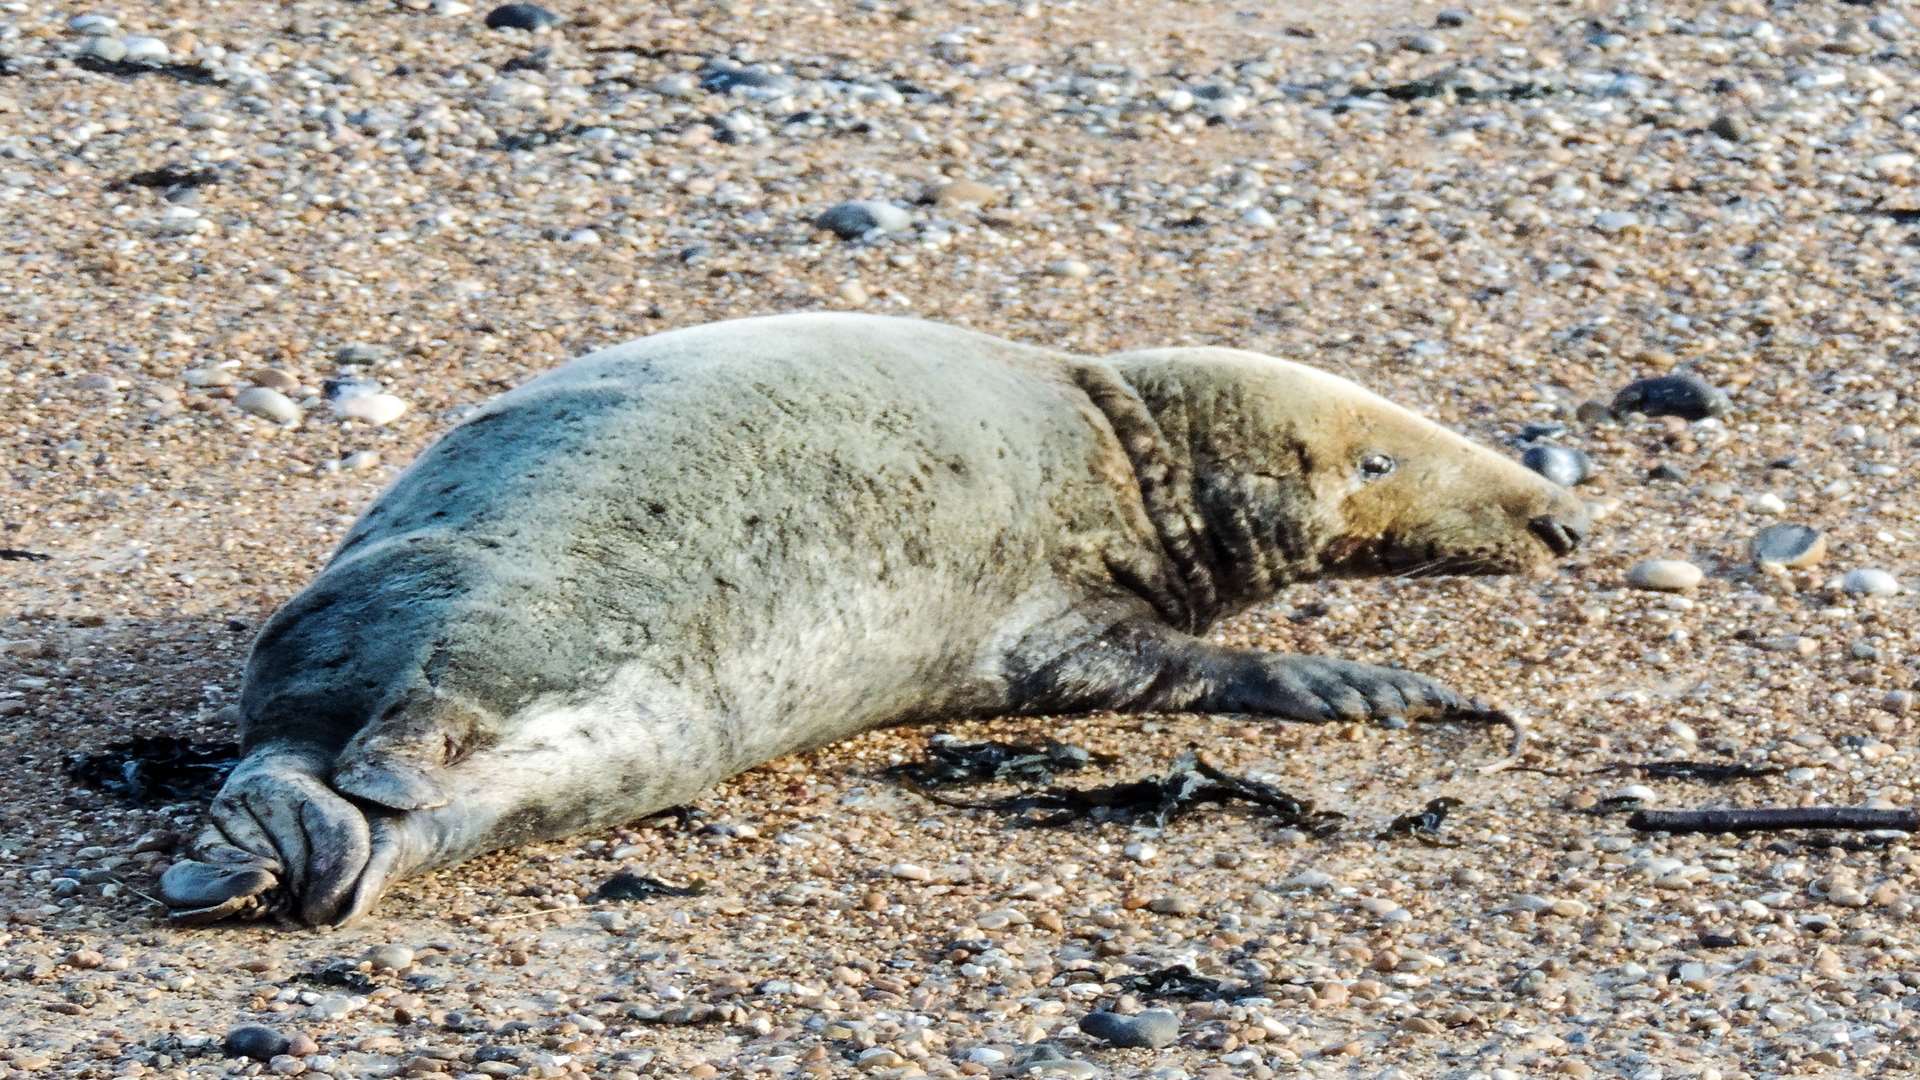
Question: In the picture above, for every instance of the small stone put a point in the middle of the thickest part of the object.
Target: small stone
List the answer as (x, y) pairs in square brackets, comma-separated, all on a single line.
[(1423, 43), (521, 17), (273, 379), (378, 409), (1768, 503), (1685, 396), (1616, 221), (911, 872), (103, 47), (853, 220), (145, 50), (1069, 268), (1151, 1029), (1259, 218), (1450, 18), (1729, 127), (287, 1065), (391, 958), (208, 377), (268, 404), (359, 353), (360, 460), (1787, 544), (1868, 581), (1898, 702), (255, 1041), (93, 24), (1664, 575), (964, 194), (1564, 465)]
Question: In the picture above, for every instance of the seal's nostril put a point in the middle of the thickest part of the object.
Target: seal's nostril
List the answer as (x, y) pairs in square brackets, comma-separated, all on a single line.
[(1560, 537)]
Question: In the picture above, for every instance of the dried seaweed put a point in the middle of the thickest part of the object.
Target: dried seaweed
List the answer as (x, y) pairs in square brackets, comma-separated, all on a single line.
[(165, 767), (170, 176), (1425, 821), (627, 885), (19, 555), (130, 69), (1712, 772), (341, 975), (950, 762), (1180, 982), (1189, 784)]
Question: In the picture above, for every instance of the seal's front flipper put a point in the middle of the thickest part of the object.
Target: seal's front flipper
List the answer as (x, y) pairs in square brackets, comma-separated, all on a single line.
[(1319, 689), (400, 759), (1139, 665)]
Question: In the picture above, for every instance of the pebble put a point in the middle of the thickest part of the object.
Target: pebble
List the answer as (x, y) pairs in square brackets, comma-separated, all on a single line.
[(268, 404), (391, 957), (1564, 465), (1869, 581), (964, 194), (378, 409), (104, 47), (356, 354), (1450, 18), (853, 220), (145, 50), (256, 1041), (1664, 575), (1788, 544), (1069, 268), (1615, 221), (1686, 396), (521, 17), (1151, 1029), (1423, 43), (1729, 127)]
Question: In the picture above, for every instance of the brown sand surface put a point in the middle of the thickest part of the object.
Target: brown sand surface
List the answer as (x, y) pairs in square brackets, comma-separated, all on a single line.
[(1492, 222)]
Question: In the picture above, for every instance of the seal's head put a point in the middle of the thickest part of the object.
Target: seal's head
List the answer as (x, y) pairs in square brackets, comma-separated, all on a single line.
[(1341, 482)]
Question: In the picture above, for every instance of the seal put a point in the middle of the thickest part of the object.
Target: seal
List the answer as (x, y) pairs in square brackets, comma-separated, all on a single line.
[(678, 558)]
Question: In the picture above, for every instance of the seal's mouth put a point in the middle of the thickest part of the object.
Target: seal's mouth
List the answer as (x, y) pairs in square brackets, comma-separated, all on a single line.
[(1561, 537), (1389, 557)]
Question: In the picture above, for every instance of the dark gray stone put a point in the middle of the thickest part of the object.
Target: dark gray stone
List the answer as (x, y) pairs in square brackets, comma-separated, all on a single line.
[(257, 1042), (521, 17), (1686, 396), (853, 220), (1563, 465), (1151, 1029), (1788, 544)]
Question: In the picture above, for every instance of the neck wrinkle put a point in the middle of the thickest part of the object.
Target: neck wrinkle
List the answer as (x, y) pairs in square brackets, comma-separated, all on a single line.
[(1164, 478)]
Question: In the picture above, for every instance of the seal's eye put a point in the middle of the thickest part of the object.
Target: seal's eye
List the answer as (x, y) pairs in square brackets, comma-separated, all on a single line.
[(1375, 466)]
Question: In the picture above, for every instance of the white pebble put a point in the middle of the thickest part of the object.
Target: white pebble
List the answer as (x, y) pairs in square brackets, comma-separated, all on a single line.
[(1664, 575), (143, 48), (268, 404), (375, 409), (1868, 581)]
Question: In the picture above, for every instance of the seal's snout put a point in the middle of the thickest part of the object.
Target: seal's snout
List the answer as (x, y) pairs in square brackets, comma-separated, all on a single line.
[(1560, 534)]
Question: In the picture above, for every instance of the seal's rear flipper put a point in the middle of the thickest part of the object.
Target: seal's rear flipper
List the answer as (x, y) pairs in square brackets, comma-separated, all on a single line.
[(279, 839), (198, 893)]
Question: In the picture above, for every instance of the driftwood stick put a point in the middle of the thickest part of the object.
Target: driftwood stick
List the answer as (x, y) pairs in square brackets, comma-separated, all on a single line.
[(1773, 819)]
